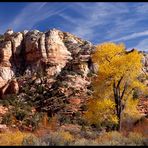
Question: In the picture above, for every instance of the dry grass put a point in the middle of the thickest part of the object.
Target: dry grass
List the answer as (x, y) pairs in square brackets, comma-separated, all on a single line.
[(116, 138), (12, 138), (48, 135), (58, 138)]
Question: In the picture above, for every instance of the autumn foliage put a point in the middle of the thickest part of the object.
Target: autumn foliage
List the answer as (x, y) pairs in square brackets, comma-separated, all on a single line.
[(109, 113), (116, 80)]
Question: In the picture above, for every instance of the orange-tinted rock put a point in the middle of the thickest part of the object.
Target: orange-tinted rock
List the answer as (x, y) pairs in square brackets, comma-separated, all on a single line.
[(3, 110), (75, 101)]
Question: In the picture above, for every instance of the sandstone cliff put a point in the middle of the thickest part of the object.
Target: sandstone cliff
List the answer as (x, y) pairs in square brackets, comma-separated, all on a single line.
[(55, 60), (51, 68)]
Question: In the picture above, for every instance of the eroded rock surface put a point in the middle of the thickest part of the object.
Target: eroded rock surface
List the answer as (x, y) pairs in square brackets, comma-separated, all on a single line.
[(54, 59)]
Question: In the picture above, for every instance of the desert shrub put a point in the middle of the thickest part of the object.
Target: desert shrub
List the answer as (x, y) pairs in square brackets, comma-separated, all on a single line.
[(67, 137), (1, 37), (64, 119), (88, 134), (136, 138), (32, 141), (33, 121), (40, 89), (53, 139), (12, 138), (17, 110), (63, 138), (20, 110), (26, 89), (81, 121), (8, 119), (84, 142), (9, 100), (116, 138), (111, 138), (60, 138)]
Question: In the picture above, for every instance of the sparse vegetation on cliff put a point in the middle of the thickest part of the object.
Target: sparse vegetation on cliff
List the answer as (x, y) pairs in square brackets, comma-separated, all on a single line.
[(58, 89)]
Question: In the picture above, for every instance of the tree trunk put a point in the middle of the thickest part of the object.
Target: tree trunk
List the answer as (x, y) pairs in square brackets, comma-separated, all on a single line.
[(119, 119), (118, 101), (118, 113)]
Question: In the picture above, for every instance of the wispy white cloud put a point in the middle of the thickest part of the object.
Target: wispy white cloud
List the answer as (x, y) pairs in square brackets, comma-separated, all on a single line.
[(97, 22), (96, 15), (142, 45), (131, 24), (93, 15), (132, 36), (142, 8), (122, 26), (34, 13)]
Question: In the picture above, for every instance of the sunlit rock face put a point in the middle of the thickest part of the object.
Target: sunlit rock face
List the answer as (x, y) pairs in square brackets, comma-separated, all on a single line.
[(145, 62), (145, 68), (62, 59)]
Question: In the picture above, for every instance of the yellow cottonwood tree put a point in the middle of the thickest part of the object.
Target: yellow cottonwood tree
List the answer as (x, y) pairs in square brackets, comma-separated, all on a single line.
[(116, 79), (101, 112)]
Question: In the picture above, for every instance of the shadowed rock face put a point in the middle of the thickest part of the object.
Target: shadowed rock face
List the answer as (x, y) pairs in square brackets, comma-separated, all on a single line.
[(61, 57)]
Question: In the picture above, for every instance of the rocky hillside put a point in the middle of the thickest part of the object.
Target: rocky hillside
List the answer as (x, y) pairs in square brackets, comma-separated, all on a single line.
[(55, 62), (52, 68)]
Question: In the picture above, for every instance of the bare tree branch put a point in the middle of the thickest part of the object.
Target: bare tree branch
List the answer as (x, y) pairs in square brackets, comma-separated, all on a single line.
[(123, 92)]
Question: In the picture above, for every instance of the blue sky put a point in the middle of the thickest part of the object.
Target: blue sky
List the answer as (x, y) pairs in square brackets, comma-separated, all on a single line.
[(97, 22)]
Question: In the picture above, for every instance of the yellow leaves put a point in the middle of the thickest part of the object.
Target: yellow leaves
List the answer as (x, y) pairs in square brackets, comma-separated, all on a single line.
[(131, 109), (139, 85), (132, 63), (100, 111), (106, 51), (145, 91), (115, 62), (114, 119), (131, 104)]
